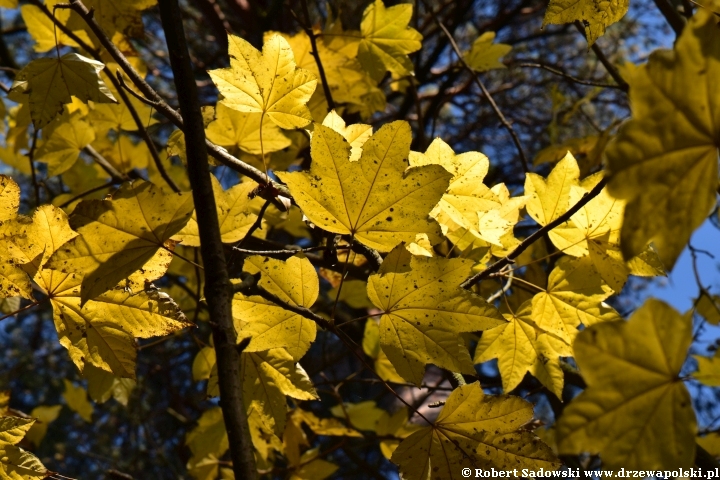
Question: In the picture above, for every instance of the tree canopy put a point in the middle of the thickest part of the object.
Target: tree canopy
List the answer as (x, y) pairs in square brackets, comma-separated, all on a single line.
[(307, 240)]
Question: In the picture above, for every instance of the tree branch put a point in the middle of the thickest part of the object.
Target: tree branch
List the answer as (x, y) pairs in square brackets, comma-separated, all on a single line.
[(497, 266), (307, 26), (673, 17), (568, 76), (614, 73), (496, 109), (217, 286)]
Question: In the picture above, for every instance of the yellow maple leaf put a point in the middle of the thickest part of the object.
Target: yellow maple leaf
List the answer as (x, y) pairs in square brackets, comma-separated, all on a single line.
[(269, 325), (42, 28), (362, 415), (708, 372), (387, 40), (267, 378), (371, 346), (122, 235), (123, 153), (634, 400), (347, 80), (102, 385), (485, 55), (574, 295), (468, 204), (114, 16), (549, 198), (9, 198), (63, 140), (236, 129), (45, 415), (664, 161), (521, 348), (35, 240), (209, 436), (474, 430), (395, 425), (50, 83), (76, 399), (102, 331), (268, 83), (117, 116), (374, 199), (595, 231), (356, 134), (597, 15), (234, 215), (16, 463), (424, 312)]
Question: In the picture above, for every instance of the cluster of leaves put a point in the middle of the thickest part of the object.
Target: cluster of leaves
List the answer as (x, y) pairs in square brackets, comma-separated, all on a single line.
[(418, 246)]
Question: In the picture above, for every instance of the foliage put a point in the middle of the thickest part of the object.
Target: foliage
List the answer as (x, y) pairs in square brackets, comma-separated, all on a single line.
[(377, 273)]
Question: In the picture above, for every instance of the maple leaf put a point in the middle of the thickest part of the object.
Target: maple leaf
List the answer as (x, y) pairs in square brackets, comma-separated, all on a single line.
[(597, 15), (102, 331), (549, 198), (9, 198), (485, 55), (374, 199), (122, 235), (42, 29), (521, 347), (574, 295), (105, 116), (77, 401), (114, 16), (708, 372), (267, 378), (595, 231), (267, 82), (124, 154), (234, 215), (395, 425), (356, 134), (469, 205), (16, 463), (371, 346), (664, 161), (387, 40), (634, 401), (474, 430), (101, 385), (50, 83), (267, 324), (424, 312), (45, 415), (235, 129), (63, 141), (348, 82)]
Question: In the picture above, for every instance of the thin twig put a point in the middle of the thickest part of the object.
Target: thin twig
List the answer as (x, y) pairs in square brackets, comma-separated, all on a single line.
[(88, 192), (106, 165), (148, 141), (614, 73), (307, 26), (31, 155), (556, 71), (481, 85), (510, 258), (505, 288)]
